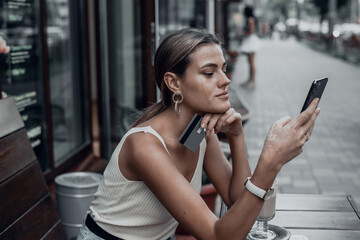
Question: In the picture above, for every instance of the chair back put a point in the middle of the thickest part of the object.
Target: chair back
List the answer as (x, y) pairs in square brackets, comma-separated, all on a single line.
[(27, 210)]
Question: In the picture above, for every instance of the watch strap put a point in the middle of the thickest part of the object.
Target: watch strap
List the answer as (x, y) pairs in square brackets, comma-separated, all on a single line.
[(254, 189)]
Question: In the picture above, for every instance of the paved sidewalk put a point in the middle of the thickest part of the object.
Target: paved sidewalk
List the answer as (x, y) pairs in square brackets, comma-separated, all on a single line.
[(330, 162)]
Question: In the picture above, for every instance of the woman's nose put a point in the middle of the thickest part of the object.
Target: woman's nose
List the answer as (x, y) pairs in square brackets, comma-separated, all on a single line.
[(224, 81)]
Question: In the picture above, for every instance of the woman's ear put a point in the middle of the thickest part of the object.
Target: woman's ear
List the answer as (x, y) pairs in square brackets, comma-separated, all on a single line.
[(172, 81)]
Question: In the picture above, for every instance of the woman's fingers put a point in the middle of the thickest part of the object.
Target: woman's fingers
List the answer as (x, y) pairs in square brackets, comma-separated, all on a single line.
[(212, 123), (310, 131), (304, 117), (226, 118), (283, 121), (308, 127), (219, 120), (209, 121)]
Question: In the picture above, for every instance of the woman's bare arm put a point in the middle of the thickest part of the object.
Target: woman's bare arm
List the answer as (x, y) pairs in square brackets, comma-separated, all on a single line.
[(228, 180)]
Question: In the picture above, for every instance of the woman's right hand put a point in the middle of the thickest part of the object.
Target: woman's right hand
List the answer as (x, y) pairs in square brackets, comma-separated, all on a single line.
[(287, 137)]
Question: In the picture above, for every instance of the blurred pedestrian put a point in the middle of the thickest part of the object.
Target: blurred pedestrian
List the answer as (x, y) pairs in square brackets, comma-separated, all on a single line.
[(271, 30), (264, 29), (152, 182), (250, 44)]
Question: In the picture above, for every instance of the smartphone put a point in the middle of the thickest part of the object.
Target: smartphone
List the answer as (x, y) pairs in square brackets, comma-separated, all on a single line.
[(193, 134), (316, 90)]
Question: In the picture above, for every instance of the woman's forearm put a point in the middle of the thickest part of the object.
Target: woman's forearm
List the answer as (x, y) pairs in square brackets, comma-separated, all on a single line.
[(265, 171), (237, 222), (241, 167)]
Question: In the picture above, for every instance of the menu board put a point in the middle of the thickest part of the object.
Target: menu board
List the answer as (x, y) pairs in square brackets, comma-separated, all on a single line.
[(21, 74)]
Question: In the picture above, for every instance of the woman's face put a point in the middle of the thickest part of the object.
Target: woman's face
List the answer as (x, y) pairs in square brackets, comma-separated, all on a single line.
[(204, 84)]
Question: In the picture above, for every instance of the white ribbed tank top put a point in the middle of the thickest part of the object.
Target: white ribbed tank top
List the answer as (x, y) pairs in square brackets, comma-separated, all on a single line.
[(128, 209)]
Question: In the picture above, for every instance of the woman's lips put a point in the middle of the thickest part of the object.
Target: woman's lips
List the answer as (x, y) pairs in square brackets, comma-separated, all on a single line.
[(223, 95)]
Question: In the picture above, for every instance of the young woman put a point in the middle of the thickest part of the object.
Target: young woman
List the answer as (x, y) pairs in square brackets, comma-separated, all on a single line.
[(250, 44), (152, 182)]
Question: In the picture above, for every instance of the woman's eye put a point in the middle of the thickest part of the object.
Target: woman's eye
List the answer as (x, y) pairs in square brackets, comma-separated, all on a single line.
[(209, 74)]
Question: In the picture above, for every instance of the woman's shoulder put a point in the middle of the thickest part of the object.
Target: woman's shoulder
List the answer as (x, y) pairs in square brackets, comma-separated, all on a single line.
[(140, 135), (144, 140), (137, 149), (144, 149)]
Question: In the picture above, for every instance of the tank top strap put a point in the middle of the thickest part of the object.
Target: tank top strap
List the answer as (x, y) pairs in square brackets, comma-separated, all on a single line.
[(149, 129)]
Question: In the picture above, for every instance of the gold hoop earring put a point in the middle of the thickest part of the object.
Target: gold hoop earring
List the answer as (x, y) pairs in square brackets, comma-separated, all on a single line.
[(177, 102)]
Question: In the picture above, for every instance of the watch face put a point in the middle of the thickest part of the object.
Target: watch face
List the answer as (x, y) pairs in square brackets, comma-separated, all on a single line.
[(269, 194)]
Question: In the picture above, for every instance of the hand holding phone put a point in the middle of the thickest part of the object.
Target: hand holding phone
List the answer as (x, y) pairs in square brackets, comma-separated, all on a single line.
[(316, 90)]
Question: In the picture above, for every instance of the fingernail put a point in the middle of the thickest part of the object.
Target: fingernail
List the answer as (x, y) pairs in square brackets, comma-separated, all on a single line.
[(317, 100), (203, 125)]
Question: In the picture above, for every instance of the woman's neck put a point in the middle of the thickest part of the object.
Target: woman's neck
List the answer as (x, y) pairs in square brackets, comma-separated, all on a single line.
[(170, 124)]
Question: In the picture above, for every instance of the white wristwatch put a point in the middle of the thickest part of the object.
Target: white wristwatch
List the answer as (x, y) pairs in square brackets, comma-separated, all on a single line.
[(261, 193)]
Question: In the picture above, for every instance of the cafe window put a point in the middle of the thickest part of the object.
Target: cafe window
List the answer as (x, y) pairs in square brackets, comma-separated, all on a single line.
[(21, 69), (125, 65), (175, 15), (45, 71), (66, 79)]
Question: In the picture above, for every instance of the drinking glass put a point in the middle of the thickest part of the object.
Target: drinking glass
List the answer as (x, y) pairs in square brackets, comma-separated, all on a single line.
[(261, 227)]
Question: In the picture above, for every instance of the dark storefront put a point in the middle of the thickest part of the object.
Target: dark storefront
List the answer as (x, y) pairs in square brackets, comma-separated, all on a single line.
[(81, 71), (45, 71)]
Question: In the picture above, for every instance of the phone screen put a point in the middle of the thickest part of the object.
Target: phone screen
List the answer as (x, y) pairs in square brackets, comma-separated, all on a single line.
[(316, 90)]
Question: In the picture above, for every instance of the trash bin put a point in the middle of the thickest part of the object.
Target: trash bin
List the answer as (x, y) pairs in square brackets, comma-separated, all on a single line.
[(74, 194)]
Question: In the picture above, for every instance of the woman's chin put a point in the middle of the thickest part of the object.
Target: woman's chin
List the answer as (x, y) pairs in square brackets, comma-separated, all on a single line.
[(220, 109)]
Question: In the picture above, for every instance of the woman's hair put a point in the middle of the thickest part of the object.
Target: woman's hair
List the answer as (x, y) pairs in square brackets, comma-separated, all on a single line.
[(173, 55), (248, 11)]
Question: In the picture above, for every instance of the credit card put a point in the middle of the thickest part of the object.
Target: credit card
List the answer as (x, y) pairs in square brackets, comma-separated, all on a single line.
[(193, 134)]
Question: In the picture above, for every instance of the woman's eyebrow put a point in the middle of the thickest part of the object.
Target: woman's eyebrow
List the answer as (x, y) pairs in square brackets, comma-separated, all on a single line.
[(212, 65)]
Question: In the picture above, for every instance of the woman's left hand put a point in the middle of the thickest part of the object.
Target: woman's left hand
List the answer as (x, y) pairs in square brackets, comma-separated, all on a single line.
[(228, 122)]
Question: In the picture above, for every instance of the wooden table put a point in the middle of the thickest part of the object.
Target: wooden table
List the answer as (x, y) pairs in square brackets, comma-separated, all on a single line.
[(328, 217)]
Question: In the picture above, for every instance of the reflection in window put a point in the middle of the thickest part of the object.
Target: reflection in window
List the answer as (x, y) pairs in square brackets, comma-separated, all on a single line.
[(175, 15), (21, 69), (125, 75), (66, 81)]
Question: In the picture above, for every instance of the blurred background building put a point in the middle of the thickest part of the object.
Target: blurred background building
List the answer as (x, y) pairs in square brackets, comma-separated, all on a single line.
[(81, 71)]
